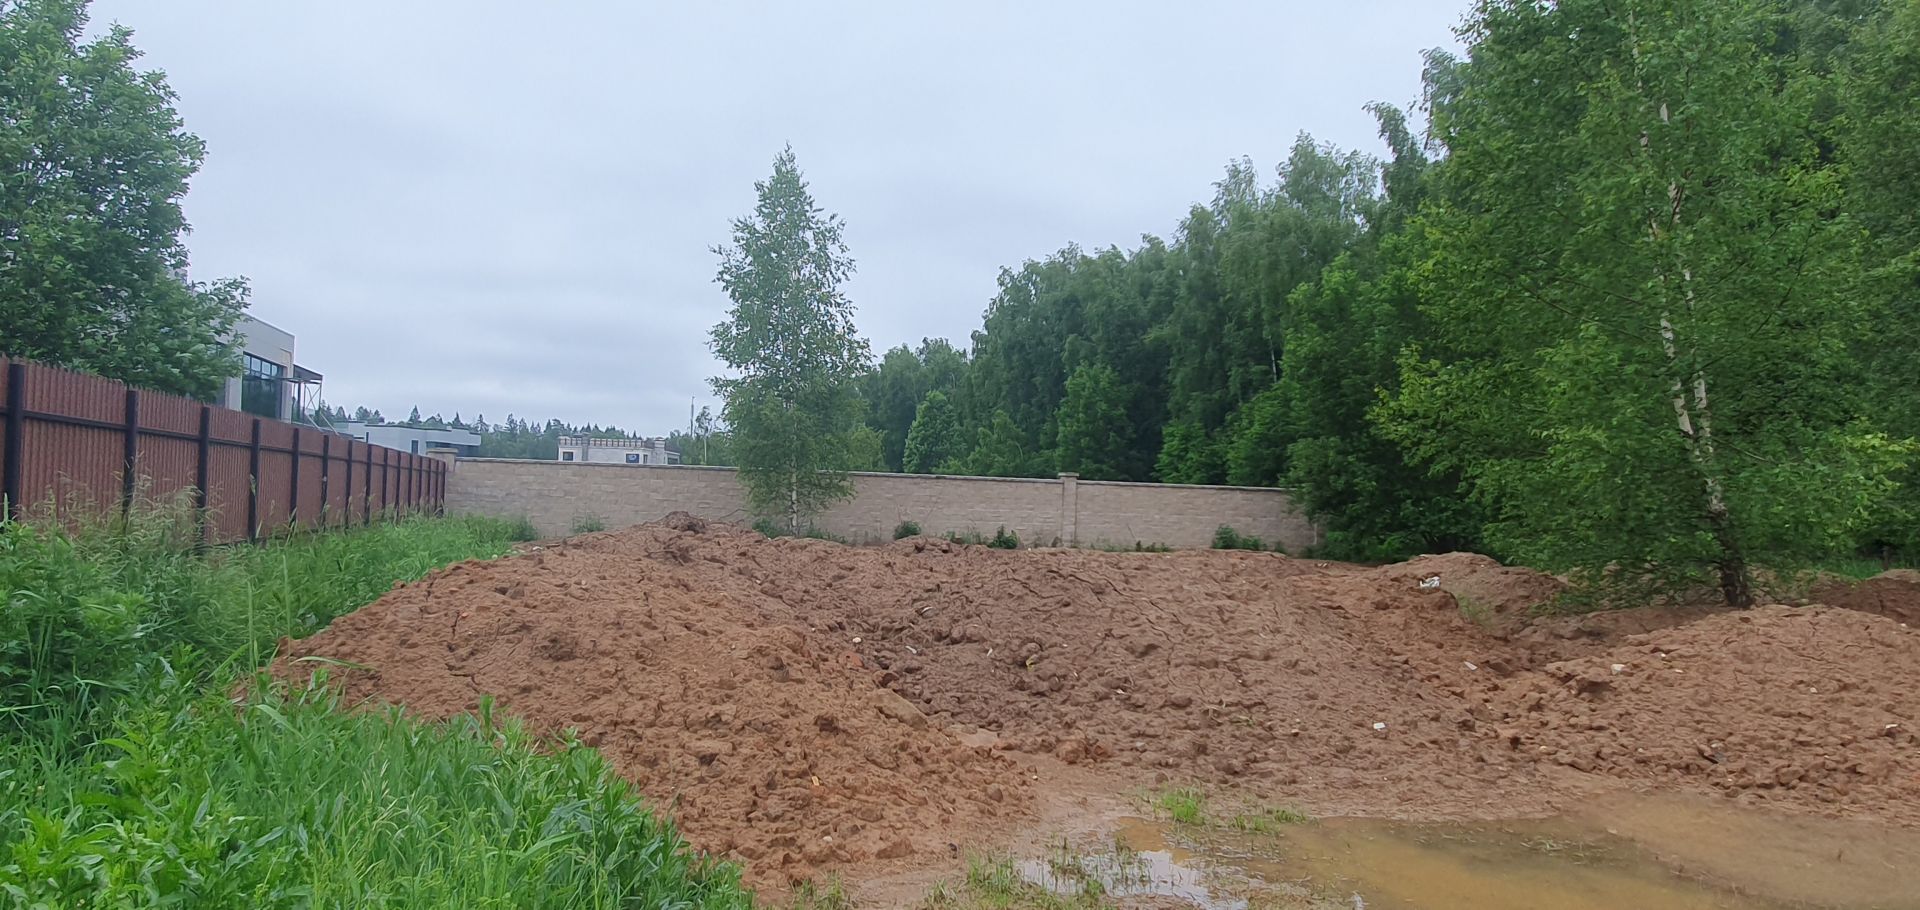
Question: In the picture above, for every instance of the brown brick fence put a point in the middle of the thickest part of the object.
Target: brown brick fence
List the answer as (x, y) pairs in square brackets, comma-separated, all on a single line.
[(71, 442)]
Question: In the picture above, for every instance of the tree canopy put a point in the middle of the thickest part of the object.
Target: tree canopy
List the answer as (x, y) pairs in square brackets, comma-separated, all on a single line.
[(790, 347), (94, 161)]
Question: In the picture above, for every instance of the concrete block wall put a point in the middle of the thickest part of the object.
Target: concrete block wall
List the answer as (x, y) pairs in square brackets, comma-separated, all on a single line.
[(1043, 512)]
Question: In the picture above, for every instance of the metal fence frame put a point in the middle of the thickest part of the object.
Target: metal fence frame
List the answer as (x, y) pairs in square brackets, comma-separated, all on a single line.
[(67, 437)]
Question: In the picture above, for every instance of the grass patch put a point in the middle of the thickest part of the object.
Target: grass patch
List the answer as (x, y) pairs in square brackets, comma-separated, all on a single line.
[(906, 529), (1269, 820), (1182, 806), (995, 883), (587, 523), (1475, 611), (131, 775), (1226, 538), (770, 528)]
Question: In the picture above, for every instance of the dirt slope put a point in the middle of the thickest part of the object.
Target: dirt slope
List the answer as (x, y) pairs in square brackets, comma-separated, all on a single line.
[(810, 705)]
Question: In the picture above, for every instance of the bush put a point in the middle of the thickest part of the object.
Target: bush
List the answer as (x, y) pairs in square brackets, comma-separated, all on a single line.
[(906, 529), (1226, 538), (588, 523), (520, 529), (1004, 540)]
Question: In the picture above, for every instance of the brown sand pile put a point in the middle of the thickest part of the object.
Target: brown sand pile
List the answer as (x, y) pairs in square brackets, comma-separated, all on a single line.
[(1894, 594), (809, 704), (765, 744), (1785, 704)]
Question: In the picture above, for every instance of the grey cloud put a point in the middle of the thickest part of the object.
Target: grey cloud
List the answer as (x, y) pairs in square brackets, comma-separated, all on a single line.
[(493, 207)]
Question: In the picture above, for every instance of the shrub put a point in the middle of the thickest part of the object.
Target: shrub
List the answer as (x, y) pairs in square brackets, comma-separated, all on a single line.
[(906, 529), (588, 523), (520, 529), (1226, 538), (1004, 540)]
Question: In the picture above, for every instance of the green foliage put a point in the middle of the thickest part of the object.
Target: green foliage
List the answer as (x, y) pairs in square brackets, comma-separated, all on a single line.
[(131, 775), (293, 802), (1004, 539), (1000, 450), (1645, 359), (770, 528), (790, 342), (906, 529), (520, 529), (935, 437), (93, 616), (1189, 454), (1094, 434), (587, 523), (1183, 805), (1226, 538), (94, 161), (895, 390), (1877, 131), (1269, 820)]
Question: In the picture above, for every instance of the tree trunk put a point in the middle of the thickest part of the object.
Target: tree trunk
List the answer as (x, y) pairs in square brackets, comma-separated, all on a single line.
[(793, 502)]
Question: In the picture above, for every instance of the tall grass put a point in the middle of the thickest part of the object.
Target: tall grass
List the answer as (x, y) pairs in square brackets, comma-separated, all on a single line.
[(131, 776)]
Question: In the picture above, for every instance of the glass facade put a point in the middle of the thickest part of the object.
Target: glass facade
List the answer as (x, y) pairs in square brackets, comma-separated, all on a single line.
[(261, 386)]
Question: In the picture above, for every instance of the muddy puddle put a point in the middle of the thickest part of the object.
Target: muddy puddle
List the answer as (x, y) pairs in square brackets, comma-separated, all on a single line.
[(1642, 854)]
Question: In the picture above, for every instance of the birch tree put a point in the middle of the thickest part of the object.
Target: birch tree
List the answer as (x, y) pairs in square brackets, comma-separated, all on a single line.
[(1640, 282), (790, 345)]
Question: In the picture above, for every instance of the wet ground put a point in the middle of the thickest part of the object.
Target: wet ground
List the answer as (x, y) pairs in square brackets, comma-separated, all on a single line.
[(1654, 854)]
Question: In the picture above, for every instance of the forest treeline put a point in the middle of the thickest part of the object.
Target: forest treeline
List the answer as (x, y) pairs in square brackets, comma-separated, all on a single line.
[(1639, 289)]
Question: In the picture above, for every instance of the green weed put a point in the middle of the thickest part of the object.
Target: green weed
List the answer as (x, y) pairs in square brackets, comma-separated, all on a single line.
[(588, 523), (1184, 806)]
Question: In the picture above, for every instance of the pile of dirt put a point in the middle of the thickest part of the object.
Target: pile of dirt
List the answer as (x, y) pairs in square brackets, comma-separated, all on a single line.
[(767, 746), (1803, 705), (1201, 666), (801, 704), (1894, 594)]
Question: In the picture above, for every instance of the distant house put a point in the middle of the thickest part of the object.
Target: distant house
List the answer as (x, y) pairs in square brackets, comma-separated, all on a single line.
[(270, 383), (413, 438), (617, 451)]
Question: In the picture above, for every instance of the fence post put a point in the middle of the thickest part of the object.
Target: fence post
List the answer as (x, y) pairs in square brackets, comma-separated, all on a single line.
[(130, 454), (201, 470), (253, 484), (346, 502), (293, 483), (10, 472), (326, 480), (366, 490)]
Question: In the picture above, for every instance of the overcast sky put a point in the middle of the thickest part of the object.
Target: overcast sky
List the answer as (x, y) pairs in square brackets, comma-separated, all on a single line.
[(491, 207)]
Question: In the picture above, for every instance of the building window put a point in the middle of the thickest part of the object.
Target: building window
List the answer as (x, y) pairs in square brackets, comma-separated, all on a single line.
[(566, 456), (633, 458), (260, 386)]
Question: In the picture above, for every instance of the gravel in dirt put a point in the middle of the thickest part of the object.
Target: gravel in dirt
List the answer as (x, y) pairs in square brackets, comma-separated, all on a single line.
[(805, 706)]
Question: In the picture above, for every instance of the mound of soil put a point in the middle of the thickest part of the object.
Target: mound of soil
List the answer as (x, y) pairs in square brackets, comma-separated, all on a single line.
[(1894, 594), (766, 745), (1784, 704), (800, 704)]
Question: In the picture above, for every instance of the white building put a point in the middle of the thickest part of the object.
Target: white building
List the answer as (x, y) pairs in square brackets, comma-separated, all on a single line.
[(409, 438), (270, 383), (617, 451)]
